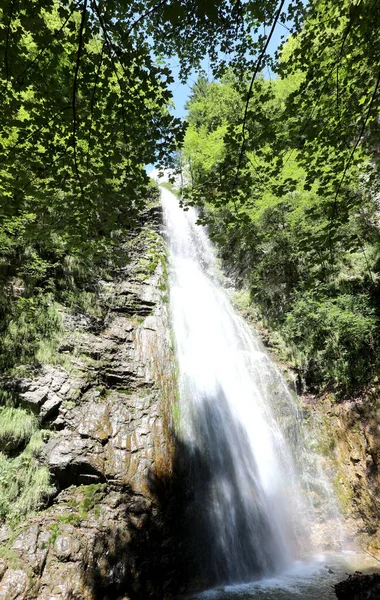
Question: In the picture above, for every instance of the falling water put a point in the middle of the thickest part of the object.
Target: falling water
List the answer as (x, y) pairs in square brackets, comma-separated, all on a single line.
[(247, 512), (248, 478)]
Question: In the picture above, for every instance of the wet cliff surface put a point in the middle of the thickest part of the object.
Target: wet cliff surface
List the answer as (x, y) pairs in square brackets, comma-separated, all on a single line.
[(349, 437), (105, 531), (344, 437)]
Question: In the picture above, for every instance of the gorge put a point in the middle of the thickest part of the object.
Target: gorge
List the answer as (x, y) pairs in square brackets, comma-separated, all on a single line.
[(189, 375), (156, 492)]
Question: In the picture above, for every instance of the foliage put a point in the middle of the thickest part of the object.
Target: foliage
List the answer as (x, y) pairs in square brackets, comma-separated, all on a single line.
[(304, 240), (28, 326), (24, 483), (16, 427), (286, 170), (336, 336)]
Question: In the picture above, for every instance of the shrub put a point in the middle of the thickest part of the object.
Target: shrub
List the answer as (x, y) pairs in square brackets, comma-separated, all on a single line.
[(333, 338), (24, 483), (16, 427)]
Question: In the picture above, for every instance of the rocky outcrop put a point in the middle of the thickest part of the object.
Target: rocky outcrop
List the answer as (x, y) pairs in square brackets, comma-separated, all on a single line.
[(105, 411), (350, 437), (359, 587)]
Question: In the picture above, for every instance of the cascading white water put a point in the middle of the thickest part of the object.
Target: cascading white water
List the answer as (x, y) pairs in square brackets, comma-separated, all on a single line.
[(246, 512)]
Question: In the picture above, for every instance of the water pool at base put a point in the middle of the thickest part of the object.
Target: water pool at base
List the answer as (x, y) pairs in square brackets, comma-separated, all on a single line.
[(306, 580)]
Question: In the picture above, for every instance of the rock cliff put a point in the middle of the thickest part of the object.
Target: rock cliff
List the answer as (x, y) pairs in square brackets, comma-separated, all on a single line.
[(349, 436), (104, 410)]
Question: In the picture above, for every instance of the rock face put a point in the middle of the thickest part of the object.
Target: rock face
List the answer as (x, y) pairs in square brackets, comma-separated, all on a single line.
[(350, 437), (359, 587), (106, 413)]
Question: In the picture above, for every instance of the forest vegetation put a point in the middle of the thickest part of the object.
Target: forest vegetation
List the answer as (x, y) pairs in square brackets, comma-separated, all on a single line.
[(291, 192), (280, 154)]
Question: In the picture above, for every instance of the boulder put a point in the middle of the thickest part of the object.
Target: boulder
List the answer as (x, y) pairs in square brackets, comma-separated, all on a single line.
[(359, 587)]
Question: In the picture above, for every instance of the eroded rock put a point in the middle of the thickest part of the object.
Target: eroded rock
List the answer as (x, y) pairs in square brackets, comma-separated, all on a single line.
[(102, 535)]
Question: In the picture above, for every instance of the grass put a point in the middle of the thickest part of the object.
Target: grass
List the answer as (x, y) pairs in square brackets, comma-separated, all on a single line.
[(24, 483), (31, 329), (84, 302), (16, 427)]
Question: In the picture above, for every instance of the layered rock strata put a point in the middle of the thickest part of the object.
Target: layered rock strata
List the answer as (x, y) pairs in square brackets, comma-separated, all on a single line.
[(105, 412)]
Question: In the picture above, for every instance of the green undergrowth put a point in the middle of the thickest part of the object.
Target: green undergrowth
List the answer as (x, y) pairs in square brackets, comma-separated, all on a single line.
[(43, 281), (24, 483), (45, 274), (30, 330), (304, 246), (86, 498), (17, 426)]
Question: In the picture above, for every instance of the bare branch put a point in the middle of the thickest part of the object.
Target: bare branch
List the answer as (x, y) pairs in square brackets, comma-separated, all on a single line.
[(75, 90), (348, 163), (7, 40), (257, 70)]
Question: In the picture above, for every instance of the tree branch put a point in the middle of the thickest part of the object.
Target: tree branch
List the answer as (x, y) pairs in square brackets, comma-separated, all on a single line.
[(7, 40), (22, 141), (56, 34), (351, 157), (93, 101), (75, 91), (257, 70), (110, 49), (142, 17)]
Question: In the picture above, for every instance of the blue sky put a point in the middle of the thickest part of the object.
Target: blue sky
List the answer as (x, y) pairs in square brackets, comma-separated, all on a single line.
[(182, 91)]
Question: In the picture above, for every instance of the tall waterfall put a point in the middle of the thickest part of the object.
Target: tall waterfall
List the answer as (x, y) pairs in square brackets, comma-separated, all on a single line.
[(246, 512)]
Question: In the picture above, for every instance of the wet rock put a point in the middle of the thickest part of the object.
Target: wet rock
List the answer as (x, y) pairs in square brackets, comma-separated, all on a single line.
[(73, 459), (359, 587), (104, 530)]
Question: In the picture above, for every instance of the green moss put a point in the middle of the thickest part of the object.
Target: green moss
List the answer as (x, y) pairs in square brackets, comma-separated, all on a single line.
[(176, 414), (125, 391), (343, 491), (84, 500), (54, 528), (71, 519), (9, 556)]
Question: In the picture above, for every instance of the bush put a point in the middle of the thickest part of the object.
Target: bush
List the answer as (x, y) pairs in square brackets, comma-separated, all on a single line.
[(333, 339), (28, 325), (24, 483), (16, 427)]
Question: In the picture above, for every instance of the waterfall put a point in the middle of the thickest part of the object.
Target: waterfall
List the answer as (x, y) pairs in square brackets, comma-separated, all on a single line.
[(246, 512)]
